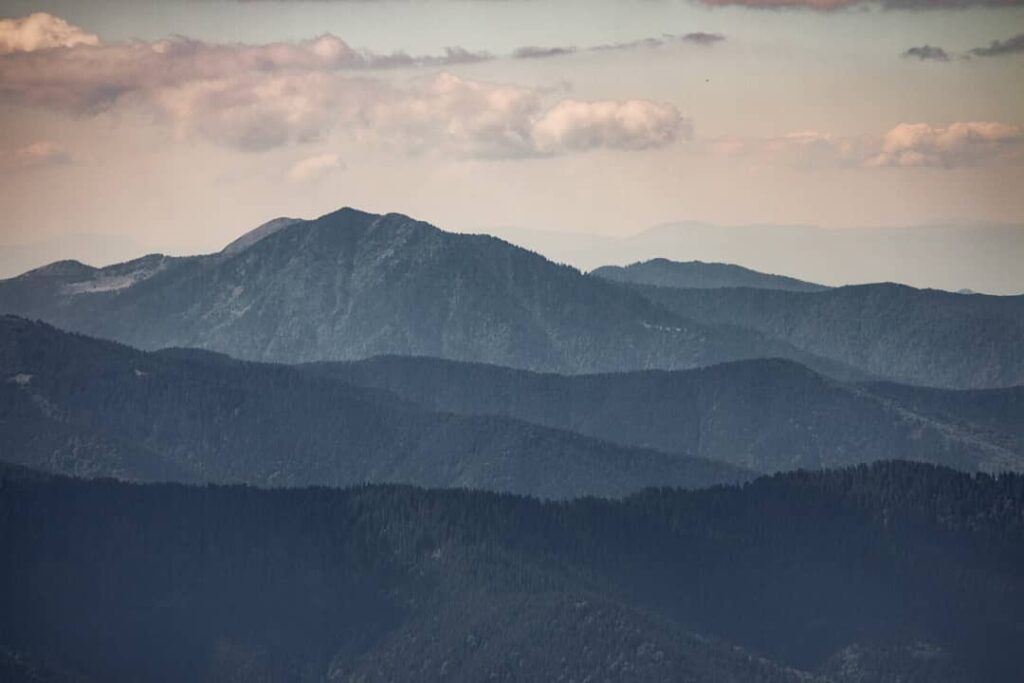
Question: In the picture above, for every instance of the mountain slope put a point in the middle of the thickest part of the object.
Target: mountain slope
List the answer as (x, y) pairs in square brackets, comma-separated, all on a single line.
[(661, 272), (908, 335), (765, 415), (253, 236), (76, 405), (883, 573), (351, 285)]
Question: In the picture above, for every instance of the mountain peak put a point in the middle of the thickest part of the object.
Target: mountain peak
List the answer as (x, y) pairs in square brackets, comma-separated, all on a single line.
[(663, 272), (253, 236)]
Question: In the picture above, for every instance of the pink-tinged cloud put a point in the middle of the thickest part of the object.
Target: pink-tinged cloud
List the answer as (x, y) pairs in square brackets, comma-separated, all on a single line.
[(571, 125), (833, 5), (41, 31), (958, 144), (478, 119), (805, 148)]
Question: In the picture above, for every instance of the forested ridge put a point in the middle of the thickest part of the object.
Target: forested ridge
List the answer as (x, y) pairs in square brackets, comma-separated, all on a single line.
[(911, 569), (914, 336)]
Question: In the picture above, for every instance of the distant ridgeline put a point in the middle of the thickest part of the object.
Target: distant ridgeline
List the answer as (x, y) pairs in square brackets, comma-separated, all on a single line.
[(661, 272), (351, 285), (890, 572)]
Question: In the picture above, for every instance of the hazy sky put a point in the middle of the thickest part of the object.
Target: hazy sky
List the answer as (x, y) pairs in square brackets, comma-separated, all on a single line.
[(176, 125)]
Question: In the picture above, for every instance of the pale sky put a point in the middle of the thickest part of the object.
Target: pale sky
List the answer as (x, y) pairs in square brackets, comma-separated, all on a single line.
[(177, 125)]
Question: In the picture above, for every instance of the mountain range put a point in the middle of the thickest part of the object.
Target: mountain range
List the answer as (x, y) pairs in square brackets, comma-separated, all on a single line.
[(351, 285), (883, 573), (980, 256), (908, 335), (210, 469), (88, 407)]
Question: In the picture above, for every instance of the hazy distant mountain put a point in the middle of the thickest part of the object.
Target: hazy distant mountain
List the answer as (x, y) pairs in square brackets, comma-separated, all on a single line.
[(765, 415), (699, 275), (909, 335), (982, 257), (74, 405), (894, 572), (352, 285)]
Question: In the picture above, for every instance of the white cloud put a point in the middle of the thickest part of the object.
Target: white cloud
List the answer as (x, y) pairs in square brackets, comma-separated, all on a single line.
[(806, 148), (906, 145), (836, 5), (572, 125), (958, 144), (479, 119), (41, 31), (256, 97), (314, 168)]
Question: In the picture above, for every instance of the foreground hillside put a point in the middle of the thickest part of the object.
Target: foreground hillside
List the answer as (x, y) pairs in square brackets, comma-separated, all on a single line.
[(351, 285), (893, 572), (74, 405), (765, 415), (915, 336)]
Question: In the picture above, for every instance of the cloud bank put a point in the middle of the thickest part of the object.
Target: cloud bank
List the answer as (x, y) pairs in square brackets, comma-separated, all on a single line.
[(314, 168), (835, 5), (999, 48), (957, 145), (927, 52), (697, 38), (34, 155)]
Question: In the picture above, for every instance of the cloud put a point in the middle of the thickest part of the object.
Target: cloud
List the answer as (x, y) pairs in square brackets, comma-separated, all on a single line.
[(701, 38), (835, 5), (927, 52), (34, 155), (696, 38), (41, 31), (314, 168), (487, 120), (573, 125), (958, 144), (533, 52), (998, 48), (257, 97)]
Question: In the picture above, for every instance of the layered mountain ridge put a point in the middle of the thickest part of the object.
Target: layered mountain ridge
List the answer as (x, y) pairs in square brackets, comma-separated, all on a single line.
[(351, 285), (660, 272), (74, 405)]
